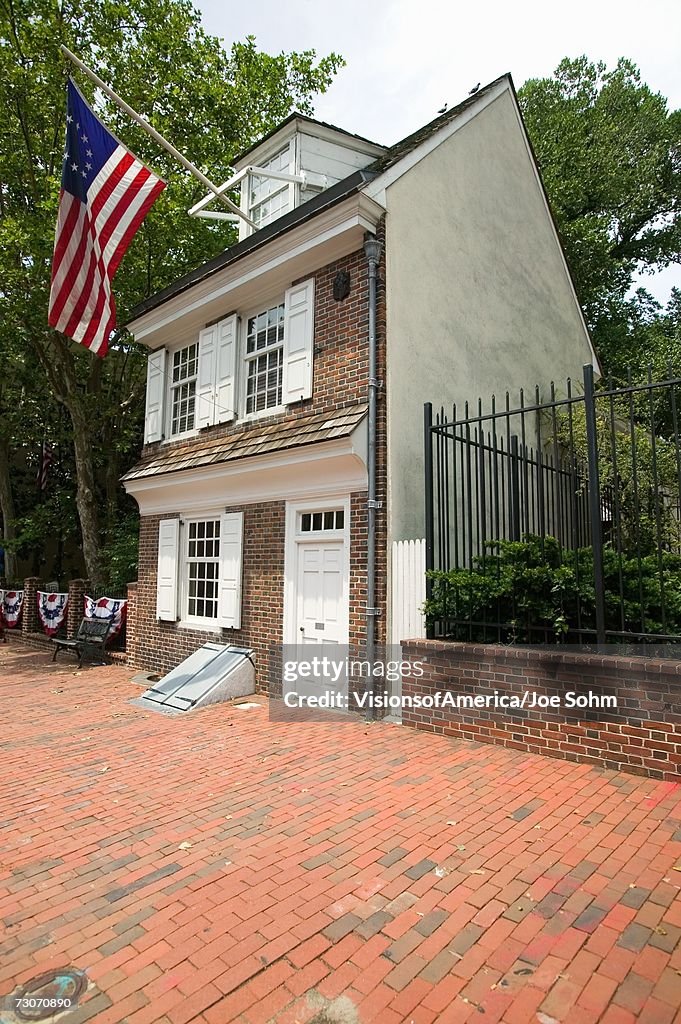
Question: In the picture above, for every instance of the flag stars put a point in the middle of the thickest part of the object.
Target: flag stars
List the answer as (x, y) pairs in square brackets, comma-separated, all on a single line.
[(74, 167), (84, 138), (88, 167), (69, 119), (88, 152)]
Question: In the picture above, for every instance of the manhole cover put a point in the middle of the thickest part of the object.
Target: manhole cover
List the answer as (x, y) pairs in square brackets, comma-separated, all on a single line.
[(49, 994)]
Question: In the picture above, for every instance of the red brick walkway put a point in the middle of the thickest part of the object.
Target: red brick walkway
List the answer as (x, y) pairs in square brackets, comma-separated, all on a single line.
[(221, 868)]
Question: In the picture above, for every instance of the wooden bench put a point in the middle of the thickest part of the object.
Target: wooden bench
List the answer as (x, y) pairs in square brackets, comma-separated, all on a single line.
[(91, 636)]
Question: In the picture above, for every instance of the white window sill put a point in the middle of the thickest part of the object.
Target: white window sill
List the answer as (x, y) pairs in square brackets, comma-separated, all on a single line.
[(180, 437), (275, 410), (203, 625)]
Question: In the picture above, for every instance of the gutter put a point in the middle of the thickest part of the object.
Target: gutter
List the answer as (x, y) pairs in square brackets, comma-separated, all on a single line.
[(372, 249)]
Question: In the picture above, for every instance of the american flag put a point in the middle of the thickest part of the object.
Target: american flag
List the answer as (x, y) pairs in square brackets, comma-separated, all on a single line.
[(105, 194), (46, 460)]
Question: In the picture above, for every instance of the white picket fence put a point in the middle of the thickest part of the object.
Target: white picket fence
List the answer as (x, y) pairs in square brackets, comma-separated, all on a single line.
[(408, 590)]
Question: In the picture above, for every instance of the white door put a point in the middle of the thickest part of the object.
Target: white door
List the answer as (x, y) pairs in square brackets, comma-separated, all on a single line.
[(320, 593)]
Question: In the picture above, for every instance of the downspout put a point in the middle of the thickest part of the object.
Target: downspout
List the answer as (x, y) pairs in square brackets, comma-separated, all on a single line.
[(372, 249)]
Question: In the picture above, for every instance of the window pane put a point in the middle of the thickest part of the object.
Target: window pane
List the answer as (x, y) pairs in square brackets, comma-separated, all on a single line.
[(203, 550), (265, 369), (340, 519), (183, 401)]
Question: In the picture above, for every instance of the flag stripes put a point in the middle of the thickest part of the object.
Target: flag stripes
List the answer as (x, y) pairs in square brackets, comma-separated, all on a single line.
[(106, 193)]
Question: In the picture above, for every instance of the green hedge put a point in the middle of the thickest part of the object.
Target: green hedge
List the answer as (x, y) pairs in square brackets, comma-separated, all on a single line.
[(537, 588)]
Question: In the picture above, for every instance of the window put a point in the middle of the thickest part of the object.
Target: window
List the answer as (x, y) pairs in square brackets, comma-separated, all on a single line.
[(203, 564), (316, 522), (269, 198), (244, 365), (264, 359), (183, 389)]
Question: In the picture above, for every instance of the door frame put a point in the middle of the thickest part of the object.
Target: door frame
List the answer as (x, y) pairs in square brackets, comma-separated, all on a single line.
[(293, 542)]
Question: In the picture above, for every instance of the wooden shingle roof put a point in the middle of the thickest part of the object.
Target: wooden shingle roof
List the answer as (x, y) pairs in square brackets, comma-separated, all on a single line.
[(250, 440)]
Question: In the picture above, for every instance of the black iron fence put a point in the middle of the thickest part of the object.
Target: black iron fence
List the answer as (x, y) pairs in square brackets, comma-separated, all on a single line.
[(557, 518)]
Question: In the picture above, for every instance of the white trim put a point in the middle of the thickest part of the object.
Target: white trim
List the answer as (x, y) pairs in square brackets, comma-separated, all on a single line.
[(243, 360), (246, 186), (344, 223), (261, 414), (329, 467), (318, 131), (376, 189), (292, 543), (260, 172), (191, 515), (155, 400), (230, 571), (170, 388), (299, 331), (168, 568)]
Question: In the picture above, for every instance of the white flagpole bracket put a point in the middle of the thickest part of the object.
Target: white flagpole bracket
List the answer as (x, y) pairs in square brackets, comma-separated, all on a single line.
[(261, 172), (127, 109)]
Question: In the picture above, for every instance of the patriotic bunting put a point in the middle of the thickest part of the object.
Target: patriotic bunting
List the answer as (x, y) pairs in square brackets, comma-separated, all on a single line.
[(52, 610), (12, 604), (107, 608)]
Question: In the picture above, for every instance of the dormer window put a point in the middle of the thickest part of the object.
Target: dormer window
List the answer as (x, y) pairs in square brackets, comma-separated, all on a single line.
[(268, 197), (289, 167)]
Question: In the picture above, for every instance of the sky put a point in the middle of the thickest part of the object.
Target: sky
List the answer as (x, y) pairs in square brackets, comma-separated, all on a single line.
[(406, 58)]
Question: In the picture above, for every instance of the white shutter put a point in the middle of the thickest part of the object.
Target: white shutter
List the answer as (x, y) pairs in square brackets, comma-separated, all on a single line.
[(229, 584), (156, 386), (205, 384), (168, 560), (298, 342), (225, 378)]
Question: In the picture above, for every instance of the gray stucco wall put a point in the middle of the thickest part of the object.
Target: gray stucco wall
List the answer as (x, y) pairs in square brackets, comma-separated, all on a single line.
[(478, 297)]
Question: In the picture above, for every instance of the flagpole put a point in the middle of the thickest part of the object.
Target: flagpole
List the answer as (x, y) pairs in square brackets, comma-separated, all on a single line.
[(126, 108)]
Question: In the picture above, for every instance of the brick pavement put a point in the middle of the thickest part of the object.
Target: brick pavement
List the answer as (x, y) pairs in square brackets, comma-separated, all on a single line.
[(222, 867)]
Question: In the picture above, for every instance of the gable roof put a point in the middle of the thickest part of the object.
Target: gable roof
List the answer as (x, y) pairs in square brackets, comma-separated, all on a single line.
[(329, 197), (401, 149)]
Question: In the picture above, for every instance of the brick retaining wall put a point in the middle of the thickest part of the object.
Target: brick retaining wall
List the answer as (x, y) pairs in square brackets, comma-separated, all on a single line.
[(642, 735)]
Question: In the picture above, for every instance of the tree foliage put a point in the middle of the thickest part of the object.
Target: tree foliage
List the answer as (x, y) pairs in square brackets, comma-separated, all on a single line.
[(211, 102), (610, 156)]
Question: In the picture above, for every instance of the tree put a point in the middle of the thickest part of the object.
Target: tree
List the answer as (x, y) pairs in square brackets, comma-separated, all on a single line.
[(211, 102), (636, 333), (609, 151)]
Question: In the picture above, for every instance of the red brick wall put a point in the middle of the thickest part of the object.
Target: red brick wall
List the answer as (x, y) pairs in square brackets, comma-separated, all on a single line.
[(642, 735), (340, 380), (159, 646)]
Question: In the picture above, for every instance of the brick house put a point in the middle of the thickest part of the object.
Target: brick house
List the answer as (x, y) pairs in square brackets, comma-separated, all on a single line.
[(279, 463)]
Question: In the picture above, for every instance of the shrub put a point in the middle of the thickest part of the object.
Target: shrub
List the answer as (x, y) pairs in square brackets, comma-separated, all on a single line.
[(535, 588)]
